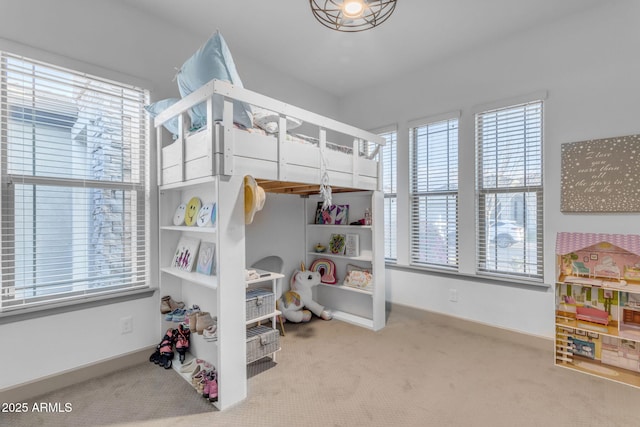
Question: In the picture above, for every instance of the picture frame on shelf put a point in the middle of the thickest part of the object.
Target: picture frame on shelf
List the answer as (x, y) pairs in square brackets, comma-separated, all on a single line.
[(185, 254), (333, 215), (337, 244), (352, 245), (342, 215), (207, 259)]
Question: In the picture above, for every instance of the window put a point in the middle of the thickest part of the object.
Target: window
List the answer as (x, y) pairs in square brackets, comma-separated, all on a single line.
[(73, 185), (388, 157), (509, 191), (434, 194)]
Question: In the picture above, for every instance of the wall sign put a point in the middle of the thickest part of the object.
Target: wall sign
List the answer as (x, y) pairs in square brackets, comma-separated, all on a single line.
[(601, 175)]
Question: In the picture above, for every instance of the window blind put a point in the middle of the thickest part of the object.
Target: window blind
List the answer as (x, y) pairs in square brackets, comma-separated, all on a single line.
[(434, 194), (74, 184), (388, 157), (510, 190)]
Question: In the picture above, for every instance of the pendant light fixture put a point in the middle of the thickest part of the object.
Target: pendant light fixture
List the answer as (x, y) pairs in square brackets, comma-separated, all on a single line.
[(352, 15)]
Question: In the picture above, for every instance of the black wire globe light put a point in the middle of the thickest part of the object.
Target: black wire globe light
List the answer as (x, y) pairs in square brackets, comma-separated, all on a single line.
[(352, 15)]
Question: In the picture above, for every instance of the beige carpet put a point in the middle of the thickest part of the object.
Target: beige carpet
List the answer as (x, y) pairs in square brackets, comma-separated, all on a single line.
[(418, 371)]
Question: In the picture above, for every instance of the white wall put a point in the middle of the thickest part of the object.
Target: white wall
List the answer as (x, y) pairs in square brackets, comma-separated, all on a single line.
[(590, 67), (105, 39)]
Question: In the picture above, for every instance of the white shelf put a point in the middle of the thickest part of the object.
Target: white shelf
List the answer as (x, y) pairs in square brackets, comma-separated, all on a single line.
[(180, 228), (265, 317), (186, 376), (353, 319), (365, 256), (352, 227), (271, 276), (348, 289), (197, 278), (181, 185)]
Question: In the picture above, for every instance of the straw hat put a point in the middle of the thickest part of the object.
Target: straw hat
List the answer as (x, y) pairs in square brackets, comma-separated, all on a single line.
[(254, 198)]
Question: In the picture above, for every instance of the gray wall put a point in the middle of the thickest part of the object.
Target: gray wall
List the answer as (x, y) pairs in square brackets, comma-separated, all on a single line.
[(108, 40), (589, 67)]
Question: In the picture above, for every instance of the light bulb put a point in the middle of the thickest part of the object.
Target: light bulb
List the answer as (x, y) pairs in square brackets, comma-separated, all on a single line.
[(352, 8)]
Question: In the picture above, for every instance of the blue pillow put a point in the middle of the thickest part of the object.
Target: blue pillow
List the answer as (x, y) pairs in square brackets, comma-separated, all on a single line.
[(212, 61), (158, 107)]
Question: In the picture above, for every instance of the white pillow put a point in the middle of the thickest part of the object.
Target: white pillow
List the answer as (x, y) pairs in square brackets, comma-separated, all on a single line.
[(268, 120)]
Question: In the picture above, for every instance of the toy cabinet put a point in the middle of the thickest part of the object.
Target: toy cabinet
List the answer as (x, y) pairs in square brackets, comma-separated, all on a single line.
[(337, 248), (262, 341), (597, 307), (222, 292)]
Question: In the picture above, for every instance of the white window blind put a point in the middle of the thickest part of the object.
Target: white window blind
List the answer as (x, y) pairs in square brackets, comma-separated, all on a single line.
[(388, 157), (74, 184), (509, 191), (434, 194)]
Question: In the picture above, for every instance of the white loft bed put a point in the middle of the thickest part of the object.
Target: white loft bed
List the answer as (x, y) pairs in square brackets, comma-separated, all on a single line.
[(196, 159), (296, 168)]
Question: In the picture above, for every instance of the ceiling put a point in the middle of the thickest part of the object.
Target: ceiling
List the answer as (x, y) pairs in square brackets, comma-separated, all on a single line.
[(284, 35)]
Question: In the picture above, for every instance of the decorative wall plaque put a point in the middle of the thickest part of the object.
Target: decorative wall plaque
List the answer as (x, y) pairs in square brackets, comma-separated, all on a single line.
[(601, 175)]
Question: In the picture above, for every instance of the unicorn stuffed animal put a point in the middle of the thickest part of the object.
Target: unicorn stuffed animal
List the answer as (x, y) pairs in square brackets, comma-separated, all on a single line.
[(297, 304)]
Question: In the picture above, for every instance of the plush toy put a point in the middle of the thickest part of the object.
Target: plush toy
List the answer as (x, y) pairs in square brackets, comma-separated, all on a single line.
[(297, 304)]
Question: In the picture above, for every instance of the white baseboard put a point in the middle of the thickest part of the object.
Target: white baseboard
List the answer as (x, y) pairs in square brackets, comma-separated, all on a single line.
[(54, 382)]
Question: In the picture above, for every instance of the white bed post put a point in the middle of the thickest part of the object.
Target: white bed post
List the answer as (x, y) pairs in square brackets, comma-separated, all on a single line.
[(228, 140), (355, 154), (282, 135), (182, 122), (211, 128), (159, 153), (379, 304), (323, 155), (231, 292)]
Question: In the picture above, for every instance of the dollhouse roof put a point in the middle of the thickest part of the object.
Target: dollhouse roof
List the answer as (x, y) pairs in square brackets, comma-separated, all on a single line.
[(570, 242)]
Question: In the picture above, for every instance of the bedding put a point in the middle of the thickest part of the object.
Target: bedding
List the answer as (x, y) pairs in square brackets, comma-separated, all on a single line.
[(269, 121), (212, 61), (158, 107)]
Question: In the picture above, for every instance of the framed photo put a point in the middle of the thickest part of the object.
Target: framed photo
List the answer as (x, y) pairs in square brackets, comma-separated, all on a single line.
[(594, 257), (592, 335), (352, 245), (585, 259), (579, 332), (337, 244), (207, 258), (186, 252)]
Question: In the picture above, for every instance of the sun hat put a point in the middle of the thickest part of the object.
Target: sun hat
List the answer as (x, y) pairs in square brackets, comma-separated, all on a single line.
[(254, 198)]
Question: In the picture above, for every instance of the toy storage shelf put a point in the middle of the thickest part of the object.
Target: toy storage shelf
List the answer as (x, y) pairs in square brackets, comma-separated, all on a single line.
[(604, 342), (195, 278), (349, 289), (269, 281), (221, 293), (361, 307)]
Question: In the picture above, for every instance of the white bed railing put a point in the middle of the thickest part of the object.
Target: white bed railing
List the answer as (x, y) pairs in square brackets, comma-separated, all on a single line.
[(230, 93)]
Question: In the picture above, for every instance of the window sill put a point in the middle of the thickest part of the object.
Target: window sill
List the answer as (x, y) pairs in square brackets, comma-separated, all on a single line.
[(483, 278), (18, 315)]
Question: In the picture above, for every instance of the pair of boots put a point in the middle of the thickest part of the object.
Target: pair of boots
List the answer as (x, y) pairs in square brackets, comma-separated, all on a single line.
[(163, 355), (167, 304), (200, 321), (183, 339)]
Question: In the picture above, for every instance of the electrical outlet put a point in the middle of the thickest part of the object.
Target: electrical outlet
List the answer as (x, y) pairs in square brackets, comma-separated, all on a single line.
[(453, 295), (126, 325)]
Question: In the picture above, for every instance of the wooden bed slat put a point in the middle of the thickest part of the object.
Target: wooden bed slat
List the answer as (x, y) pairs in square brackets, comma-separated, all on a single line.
[(283, 187)]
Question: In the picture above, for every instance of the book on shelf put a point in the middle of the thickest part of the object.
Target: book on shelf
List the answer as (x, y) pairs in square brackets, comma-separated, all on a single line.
[(185, 254), (207, 258)]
